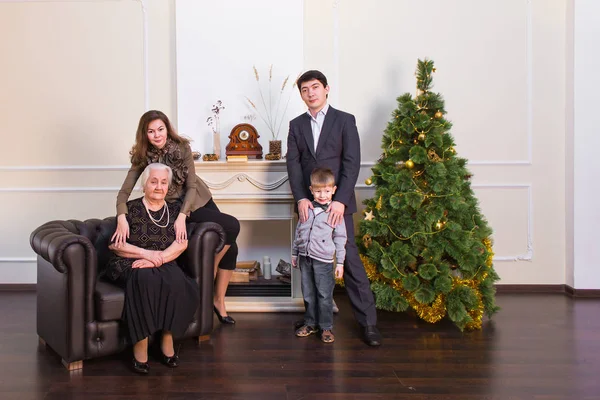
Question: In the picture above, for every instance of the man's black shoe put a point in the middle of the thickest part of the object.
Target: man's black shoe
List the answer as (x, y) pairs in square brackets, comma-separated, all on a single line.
[(372, 337)]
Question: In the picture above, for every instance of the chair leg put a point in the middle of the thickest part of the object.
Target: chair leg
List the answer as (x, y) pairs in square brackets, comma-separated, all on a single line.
[(203, 338), (72, 366)]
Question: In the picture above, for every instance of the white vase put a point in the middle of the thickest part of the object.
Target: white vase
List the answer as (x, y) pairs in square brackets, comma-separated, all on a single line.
[(217, 144)]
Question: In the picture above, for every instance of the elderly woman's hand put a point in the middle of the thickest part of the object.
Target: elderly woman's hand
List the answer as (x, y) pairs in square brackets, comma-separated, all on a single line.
[(180, 230), (142, 263), (155, 257), (122, 232)]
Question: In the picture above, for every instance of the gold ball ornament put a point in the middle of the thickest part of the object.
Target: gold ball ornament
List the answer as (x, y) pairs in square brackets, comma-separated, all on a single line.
[(409, 164), (415, 141), (439, 225), (367, 240), (421, 137), (434, 69), (369, 181), (438, 115)]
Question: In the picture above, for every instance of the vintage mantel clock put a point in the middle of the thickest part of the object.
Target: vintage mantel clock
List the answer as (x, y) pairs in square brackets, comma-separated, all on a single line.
[(243, 141)]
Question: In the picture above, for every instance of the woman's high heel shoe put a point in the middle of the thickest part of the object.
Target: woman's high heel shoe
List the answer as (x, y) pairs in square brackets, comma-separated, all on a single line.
[(224, 320), (140, 367), (170, 362)]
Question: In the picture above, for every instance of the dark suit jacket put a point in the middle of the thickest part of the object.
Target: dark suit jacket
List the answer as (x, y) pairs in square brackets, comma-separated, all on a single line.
[(338, 149)]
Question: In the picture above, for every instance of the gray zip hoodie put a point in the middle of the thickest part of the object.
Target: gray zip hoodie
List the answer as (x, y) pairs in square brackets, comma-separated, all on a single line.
[(316, 239)]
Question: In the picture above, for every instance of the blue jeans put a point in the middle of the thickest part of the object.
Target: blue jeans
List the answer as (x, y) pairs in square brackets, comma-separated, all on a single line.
[(317, 289)]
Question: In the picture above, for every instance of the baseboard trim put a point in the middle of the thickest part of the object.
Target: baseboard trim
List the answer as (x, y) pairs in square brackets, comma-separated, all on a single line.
[(565, 289), (17, 287), (530, 289), (501, 289), (589, 293)]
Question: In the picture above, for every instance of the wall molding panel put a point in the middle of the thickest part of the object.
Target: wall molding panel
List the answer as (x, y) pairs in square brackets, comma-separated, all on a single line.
[(143, 9), (528, 254), (18, 259)]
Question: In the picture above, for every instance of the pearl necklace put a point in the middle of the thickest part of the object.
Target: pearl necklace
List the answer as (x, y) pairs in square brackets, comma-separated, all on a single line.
[(156, 221)]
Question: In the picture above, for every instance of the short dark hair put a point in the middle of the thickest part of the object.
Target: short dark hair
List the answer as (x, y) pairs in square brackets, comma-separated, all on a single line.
[(309, 76), (320, 177)]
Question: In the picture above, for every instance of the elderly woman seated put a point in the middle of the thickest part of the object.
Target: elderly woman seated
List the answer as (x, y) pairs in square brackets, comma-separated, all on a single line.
[(158, 295)]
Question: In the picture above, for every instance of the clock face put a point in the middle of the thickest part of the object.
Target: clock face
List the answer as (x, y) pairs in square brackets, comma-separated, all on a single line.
[(244, 135)]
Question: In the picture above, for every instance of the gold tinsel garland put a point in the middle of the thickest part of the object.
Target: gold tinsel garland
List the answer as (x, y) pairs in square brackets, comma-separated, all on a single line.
[(435, 311), (370, 269), (477, 313)]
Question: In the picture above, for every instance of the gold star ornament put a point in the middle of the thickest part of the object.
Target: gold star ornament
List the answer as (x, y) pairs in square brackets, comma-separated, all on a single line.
[(369, 216)]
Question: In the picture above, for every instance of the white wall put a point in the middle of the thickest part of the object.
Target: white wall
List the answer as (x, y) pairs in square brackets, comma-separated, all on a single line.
[(586, 142), (76, 89), (214, 63), (504, 92)]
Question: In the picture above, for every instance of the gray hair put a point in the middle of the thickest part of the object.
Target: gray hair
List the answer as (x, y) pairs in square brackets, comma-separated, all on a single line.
[(155, 166)]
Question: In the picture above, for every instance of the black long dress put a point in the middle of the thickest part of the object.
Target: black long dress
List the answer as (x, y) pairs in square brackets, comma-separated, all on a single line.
[(156, 299)]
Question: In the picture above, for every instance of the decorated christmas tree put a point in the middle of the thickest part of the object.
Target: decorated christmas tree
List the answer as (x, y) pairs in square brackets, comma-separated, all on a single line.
[(423, 240)]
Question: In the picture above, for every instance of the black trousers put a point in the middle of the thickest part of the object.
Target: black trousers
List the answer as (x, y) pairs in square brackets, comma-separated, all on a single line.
[(210, 213), (357, 283)]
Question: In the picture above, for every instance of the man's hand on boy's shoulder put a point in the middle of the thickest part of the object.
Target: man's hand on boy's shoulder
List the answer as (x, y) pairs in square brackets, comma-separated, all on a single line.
[(336, 213), (303, 206)]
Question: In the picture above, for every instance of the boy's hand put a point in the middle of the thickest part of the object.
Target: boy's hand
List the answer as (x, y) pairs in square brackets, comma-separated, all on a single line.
[(294, 261), (339, 271)]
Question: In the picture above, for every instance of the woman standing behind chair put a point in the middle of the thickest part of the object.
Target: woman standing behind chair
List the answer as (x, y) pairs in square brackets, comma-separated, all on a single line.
[(157, 141)]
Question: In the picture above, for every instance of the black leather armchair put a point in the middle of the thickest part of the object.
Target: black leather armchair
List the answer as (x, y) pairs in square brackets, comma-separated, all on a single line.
[(78, 315)]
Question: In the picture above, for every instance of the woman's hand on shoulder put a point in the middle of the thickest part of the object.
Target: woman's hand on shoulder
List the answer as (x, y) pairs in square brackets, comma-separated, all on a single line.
[(180, 228), (122, 232)]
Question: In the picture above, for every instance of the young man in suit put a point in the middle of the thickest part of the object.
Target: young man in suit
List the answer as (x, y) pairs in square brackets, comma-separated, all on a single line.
[(328, 138)]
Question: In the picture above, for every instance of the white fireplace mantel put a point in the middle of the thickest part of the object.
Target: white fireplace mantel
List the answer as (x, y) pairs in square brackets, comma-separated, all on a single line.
[(254, 191)]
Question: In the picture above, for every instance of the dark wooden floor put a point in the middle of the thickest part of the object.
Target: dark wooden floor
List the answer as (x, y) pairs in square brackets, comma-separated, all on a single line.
[(542, 346)]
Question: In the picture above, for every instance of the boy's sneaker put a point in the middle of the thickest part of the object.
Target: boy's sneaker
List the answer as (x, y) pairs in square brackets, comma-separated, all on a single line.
[(306, 330), (327, 336)]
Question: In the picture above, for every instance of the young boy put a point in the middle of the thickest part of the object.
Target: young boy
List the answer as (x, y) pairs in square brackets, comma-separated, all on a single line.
[(313, 251)]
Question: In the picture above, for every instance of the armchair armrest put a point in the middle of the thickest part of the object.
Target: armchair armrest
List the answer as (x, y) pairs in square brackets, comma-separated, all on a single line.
[(204, 240), (66, 275), (51, 240)]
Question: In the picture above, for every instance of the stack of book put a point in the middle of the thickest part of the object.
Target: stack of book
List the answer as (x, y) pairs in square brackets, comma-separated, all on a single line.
[(245, 271)]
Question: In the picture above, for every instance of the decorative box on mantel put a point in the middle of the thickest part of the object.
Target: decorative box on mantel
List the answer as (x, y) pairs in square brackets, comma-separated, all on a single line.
[(255, 190)]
